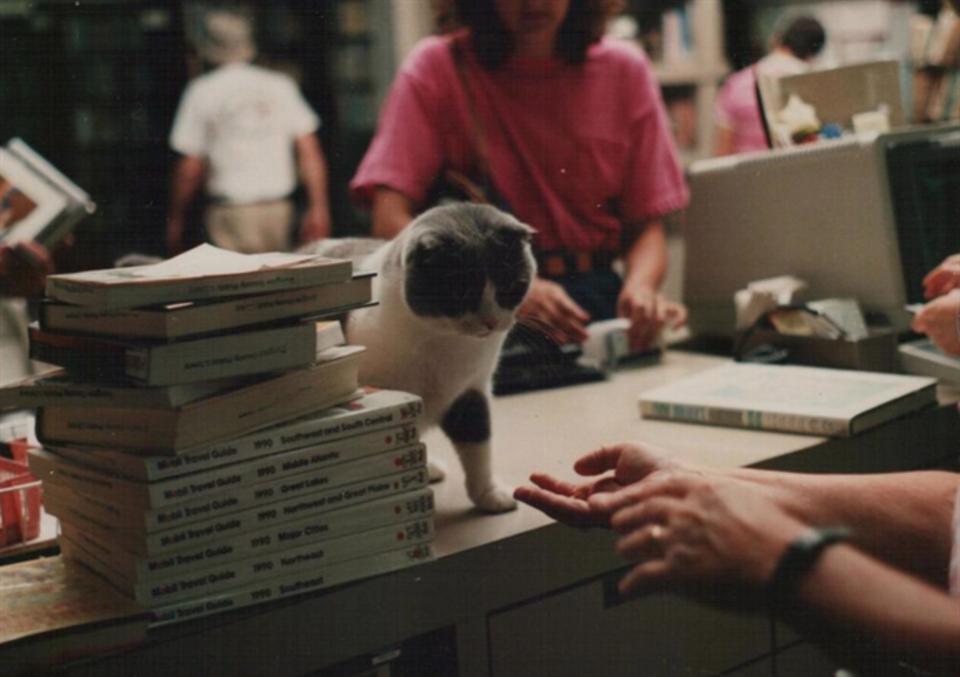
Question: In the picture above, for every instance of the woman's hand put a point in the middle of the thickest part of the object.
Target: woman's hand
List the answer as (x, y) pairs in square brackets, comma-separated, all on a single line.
[(691, 531), (943, 278), (938, 320), (648, 312), (552, 309)]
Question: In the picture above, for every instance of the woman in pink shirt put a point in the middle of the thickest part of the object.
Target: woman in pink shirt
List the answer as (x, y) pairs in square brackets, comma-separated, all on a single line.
[(573, 130), (739, 126)]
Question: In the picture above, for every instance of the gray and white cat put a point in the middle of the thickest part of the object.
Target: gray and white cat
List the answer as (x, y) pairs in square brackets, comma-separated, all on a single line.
[(448, 287)]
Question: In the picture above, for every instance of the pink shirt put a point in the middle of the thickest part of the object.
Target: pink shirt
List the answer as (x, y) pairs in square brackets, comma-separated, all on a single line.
[(575, 149), (737, 108)]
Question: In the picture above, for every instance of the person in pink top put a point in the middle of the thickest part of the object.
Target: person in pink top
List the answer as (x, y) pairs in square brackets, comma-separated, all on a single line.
[(573, 133), (739, 126)]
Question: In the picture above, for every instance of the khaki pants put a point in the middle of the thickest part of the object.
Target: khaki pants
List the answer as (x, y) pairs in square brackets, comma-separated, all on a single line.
[(251, 228)]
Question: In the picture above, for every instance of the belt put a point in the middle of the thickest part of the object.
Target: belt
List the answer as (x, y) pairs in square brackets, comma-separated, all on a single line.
[(558, 264)]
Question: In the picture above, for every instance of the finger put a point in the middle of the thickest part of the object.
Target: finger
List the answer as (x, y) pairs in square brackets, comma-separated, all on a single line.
[(645, 335), (574, 512), (570, 307), (645, 577), (644, 543), (639, 515), (568, 329), (666, 484), (600, 461), (919, 323), (676, 314), (552, 484)]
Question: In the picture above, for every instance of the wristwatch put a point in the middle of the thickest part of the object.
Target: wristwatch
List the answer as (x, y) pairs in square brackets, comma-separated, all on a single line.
[(799, 557)]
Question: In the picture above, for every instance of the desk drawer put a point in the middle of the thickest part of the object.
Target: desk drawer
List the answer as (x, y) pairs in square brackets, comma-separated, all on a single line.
[(575, 632)]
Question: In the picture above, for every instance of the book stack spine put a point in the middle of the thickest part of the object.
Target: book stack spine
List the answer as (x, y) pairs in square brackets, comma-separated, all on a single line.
[(195, 495)]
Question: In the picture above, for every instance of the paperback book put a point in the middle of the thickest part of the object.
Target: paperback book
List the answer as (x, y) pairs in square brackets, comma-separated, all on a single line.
[(176, 587), (37, 202), (811, 400), (174, 321), (204, 272), (375, 410), (202, 550), (230, 490), (332, 381), (165, 364), (77, 507), (314, 579), (201, 484)]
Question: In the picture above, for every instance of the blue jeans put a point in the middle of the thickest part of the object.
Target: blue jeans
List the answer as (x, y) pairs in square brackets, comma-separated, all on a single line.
[(596, 292)]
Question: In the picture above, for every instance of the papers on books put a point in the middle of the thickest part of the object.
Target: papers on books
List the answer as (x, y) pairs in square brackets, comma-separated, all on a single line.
[(810, 400), (37, 202), (203, 272)]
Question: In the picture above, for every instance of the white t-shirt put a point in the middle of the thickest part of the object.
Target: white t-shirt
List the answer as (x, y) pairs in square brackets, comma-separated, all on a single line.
[(244, 120)]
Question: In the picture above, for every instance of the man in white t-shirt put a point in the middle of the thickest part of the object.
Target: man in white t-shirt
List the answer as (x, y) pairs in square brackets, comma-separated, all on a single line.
[(245, 131)]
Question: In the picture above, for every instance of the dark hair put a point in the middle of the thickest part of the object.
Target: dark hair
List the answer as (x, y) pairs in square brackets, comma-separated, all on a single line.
[(804, 37), (583, 26)]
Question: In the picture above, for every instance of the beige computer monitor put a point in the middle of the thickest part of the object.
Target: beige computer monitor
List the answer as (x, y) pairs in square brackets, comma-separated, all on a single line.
[(837, 94), (820, 212)]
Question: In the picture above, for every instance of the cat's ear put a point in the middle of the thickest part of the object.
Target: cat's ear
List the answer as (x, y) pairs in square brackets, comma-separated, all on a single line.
[(422, 247), (518, 229)]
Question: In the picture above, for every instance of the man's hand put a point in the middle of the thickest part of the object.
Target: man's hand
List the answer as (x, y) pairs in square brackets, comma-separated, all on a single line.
[(315, 224), (943, 278), (24, 267), (591, 503), (174, 235), (549, 305), (938, 319), (647, 312)]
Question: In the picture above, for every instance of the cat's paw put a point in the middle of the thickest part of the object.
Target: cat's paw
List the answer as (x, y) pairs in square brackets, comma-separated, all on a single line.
[(494, 498), (436, 470)]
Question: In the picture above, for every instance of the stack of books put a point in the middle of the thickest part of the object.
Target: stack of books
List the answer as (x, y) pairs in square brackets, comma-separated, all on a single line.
[(206, 448)]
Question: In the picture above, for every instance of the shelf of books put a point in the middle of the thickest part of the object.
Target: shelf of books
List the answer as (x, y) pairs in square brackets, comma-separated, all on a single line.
[(204, 465), (684, 41)]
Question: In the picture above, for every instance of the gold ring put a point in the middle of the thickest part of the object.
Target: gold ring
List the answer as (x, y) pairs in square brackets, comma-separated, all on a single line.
[(656, 532)]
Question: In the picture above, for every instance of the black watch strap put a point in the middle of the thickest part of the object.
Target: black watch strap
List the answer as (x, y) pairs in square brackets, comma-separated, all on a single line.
[(799, 557)]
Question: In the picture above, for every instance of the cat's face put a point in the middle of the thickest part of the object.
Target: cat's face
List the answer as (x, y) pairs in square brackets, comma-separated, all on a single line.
[(467, 268)]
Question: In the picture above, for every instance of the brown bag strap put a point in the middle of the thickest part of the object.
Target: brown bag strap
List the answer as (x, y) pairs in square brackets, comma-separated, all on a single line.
[(477, 136)]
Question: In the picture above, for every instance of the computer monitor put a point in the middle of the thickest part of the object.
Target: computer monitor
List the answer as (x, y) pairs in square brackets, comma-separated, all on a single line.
[(836, 214)]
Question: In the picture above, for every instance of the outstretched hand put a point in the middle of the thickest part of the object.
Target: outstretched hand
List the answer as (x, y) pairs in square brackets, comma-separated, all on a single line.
[(591, 503)]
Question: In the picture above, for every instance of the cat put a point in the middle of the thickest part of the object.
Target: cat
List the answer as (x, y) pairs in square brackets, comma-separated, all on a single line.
[(448, 288)]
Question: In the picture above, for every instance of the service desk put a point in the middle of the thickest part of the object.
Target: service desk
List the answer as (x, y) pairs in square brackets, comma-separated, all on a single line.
[(518, 594)]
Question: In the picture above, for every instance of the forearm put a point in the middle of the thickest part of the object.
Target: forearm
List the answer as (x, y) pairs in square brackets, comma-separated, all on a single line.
[(187, 179), (645, 258), (313, 170), (392, 211), (869, 615), (904, 519)]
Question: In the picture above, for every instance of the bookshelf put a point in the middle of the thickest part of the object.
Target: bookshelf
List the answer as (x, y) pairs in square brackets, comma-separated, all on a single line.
[(92, 87), (684, 40)]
